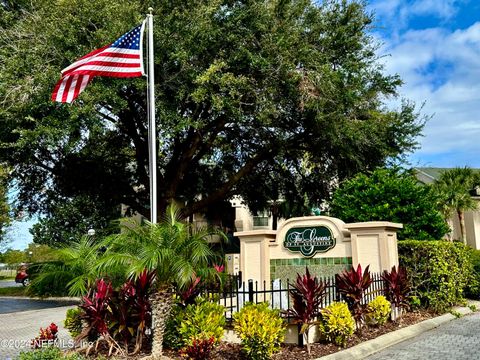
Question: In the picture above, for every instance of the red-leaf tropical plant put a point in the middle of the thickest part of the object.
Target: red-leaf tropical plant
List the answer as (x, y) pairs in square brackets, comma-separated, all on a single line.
[(176, 251), (97, 313), (397, 287), (352, 284), (47, 336), (307, 293), (200, 349), (142, 311), (131, 311)]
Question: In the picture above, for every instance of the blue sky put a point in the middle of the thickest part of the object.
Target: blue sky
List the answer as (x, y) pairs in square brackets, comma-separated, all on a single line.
[(434, 45)]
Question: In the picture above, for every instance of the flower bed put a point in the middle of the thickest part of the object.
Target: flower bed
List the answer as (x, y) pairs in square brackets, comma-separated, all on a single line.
[(227, 351)]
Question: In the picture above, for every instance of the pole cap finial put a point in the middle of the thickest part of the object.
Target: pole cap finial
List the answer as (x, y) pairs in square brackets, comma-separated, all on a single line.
[(150, 9)]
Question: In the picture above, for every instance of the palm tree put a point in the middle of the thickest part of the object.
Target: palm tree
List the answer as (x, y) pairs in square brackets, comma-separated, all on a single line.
[(75, 267), (175, 250), (453, 188)]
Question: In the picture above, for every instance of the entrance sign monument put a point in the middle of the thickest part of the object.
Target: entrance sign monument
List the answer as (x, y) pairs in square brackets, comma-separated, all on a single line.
[(325, 244), (309, 240)]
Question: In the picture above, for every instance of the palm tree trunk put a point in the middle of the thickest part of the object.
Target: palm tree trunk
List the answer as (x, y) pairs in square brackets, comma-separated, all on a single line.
[(161, 305), (461, 217)]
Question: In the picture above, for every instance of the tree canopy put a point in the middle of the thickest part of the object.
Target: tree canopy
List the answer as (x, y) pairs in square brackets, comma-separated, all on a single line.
[(253, 98), (391, 195)]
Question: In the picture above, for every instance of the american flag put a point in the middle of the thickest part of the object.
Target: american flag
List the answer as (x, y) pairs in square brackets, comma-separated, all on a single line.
[(120, 59)]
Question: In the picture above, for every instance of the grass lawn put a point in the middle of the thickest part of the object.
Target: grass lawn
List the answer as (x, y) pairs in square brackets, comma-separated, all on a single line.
[(13, 291)]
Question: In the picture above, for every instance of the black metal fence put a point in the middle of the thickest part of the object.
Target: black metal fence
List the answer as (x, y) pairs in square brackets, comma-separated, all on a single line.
[(235, 293)]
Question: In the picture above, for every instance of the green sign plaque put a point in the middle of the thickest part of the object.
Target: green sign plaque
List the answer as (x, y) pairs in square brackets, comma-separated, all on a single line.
[(309, 240)]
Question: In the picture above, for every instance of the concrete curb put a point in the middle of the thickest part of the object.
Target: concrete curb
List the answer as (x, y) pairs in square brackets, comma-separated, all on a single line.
[(382, 342)]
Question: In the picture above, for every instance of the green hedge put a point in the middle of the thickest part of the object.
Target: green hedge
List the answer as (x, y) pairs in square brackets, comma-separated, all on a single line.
[(439, 271)]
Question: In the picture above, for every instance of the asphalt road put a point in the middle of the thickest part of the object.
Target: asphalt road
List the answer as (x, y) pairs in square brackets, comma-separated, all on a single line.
[(12, 304)]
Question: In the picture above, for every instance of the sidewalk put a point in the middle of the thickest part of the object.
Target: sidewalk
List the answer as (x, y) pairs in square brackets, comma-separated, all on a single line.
[(19, 328)]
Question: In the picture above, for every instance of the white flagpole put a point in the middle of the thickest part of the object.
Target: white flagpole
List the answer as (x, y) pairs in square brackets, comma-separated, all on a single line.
[(151, 125)]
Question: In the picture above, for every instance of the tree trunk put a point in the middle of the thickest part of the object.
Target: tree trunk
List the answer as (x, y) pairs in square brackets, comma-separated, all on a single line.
[(161, 305), (463, 233)]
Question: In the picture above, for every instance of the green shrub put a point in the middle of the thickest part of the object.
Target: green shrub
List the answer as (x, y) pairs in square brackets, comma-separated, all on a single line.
[(393, 195), (260, 329), (48, 353), (49, 279), (73, 321), (171, 337), (337, 323), (438, 271), (202, 321), (378, 310), (473, 288)]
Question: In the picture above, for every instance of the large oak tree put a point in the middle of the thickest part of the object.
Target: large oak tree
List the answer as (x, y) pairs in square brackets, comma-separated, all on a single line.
[(256, 98)]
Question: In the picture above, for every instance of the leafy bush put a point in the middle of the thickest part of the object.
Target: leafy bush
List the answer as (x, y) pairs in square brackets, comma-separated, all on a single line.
[(352, 285), (260, 329), (202, 320), (378, 310), (48, 353), (308, 293), (49, 279), (391, 195), (473, 288), (199, 349), (337, 323), (397, 288), (73, 321), (438, 271)]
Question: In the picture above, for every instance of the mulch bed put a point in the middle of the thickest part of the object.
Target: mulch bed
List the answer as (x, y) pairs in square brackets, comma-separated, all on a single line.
[(227, 351)]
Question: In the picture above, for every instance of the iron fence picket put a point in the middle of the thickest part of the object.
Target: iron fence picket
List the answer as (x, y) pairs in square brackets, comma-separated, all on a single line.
[(237, 292)]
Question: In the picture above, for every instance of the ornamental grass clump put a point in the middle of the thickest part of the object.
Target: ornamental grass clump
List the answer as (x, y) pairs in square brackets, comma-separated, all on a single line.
[(378, 310), (260, 329), (337, 324)]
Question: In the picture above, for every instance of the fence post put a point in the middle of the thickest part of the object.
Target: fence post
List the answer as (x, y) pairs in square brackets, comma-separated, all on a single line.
[(250, 290), (337, 293), (300, 335)]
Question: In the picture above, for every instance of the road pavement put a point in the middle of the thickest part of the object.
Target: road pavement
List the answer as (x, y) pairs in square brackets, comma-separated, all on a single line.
[(13, 304), (457, 339)]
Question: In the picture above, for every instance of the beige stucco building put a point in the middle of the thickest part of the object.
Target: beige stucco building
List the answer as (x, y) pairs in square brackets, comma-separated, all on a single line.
[(472, 217)]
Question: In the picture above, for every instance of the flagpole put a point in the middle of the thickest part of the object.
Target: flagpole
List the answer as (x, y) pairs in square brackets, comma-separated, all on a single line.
[(151, 125)]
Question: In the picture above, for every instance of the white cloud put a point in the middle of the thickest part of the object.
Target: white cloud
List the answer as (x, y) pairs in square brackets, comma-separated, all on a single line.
[(442, 69)]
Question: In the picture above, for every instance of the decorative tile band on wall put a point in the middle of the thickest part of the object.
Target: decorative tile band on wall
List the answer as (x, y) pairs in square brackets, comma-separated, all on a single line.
[(287, 269)]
